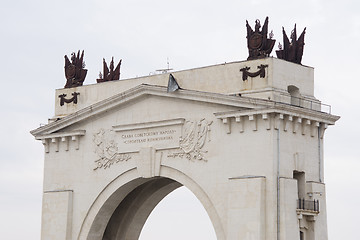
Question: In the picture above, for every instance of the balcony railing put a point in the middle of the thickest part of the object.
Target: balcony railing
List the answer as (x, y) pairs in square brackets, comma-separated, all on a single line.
[(308, 205)]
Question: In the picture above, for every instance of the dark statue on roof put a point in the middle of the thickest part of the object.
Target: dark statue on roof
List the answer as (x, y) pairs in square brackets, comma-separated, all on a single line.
[(292, 51), (109, 75), (259, 45), (74, 71)]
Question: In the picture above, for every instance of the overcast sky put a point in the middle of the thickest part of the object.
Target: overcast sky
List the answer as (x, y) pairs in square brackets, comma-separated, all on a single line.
[(35, 36)]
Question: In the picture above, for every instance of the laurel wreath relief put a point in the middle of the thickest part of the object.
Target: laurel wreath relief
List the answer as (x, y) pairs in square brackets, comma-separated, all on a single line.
[(107, 150), (195, 134)]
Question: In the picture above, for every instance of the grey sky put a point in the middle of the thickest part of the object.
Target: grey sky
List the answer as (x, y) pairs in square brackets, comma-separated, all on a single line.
[(35, 35)]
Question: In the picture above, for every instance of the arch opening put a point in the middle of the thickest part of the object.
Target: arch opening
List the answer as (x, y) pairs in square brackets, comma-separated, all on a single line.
[(180, 215), (124, 213), (131, 214)]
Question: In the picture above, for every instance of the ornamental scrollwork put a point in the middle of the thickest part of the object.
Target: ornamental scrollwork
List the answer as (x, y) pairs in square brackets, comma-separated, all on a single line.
[(260, 72), (107, 150), (192, 141), (74, 98)]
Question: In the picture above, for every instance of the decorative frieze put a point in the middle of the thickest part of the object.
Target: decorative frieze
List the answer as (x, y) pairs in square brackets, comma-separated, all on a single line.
[(305, 125), (240, 120), (286, 121), (54, 140), (296, 124), (228, 125), (315, 126), (267, 118), (253, 122), (272, 118), (277, 120), (112, 146)]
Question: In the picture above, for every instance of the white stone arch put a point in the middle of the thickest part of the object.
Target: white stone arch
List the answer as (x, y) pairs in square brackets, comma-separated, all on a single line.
[(128, 189), (257, 135)]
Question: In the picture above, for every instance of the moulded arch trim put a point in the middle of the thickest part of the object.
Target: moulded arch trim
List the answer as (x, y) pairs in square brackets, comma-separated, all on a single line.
[(121, 180), (129, 180)]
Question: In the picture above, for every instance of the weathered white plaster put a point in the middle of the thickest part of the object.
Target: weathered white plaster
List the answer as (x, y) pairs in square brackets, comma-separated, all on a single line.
[(129, 143), (57, 214)]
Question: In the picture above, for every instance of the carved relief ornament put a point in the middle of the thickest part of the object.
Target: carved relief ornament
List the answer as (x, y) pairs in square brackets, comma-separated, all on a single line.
[(107, 150), (74, 98), (192, 141), (260, 72)]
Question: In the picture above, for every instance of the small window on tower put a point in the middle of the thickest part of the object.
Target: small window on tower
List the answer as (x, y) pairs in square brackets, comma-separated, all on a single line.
[(295, 95)]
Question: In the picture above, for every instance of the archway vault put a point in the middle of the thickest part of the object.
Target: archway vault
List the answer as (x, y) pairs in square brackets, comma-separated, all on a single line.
[(122, 208)]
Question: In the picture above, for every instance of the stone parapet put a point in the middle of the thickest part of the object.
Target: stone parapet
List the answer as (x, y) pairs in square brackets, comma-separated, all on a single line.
[(225, 78)]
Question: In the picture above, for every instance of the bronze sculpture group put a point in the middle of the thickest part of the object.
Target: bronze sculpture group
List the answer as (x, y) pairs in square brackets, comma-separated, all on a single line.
[(75, 73), (292, 51), (109, 75), (259, 44)]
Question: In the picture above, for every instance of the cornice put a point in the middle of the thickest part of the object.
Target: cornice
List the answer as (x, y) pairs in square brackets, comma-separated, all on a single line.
[(248, 106), (299, 118), (284, 109), (142, 90), (65, 137)]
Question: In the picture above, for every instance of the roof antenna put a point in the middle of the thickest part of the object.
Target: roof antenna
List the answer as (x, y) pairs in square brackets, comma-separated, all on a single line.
[(165, 70)]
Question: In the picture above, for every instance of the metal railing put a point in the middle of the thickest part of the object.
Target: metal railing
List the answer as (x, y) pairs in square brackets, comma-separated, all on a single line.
[(310, 205), (306, 103)]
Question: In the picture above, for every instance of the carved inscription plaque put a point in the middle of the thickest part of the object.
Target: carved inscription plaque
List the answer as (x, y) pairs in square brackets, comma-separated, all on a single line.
[(151, 135), (182, 138), (160, 135)]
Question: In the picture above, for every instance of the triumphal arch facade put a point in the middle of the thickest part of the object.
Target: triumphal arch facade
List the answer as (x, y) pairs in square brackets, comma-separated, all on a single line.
[(245, 137)]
